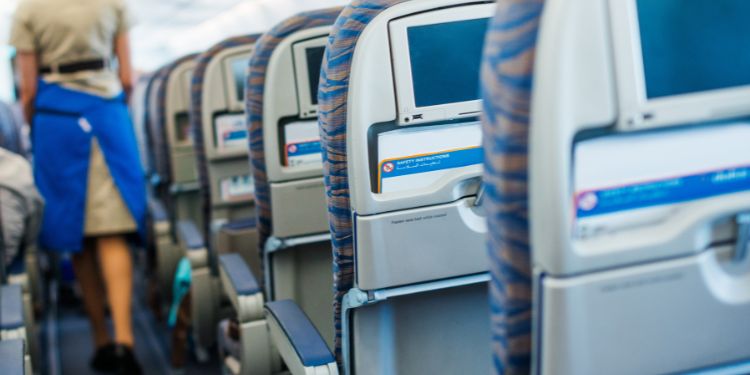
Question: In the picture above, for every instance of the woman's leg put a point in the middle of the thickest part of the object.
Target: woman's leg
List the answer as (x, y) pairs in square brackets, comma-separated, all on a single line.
[(117, 270), (90, 280)]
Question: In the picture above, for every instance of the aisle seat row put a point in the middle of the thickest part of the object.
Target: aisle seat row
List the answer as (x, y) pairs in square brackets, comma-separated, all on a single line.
[(287, 166), (20, 284), (369, 169), (294, 242)]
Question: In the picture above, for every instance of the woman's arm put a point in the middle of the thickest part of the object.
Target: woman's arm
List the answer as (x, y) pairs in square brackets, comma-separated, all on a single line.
[(29, 68), (122, 50)]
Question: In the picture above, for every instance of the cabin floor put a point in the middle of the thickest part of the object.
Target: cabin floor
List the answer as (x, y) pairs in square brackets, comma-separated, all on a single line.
[(66, 331)]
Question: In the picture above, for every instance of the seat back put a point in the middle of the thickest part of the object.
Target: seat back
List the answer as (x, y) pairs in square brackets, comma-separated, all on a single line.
[(220, 136), (138, 111), (287, 164), (11, 137), (21, 208), (506, 79), (176, 120), (182, 181), (640, 186), (402, 161)]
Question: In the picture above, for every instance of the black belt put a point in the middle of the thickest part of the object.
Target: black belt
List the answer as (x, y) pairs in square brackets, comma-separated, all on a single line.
[(74, 67)]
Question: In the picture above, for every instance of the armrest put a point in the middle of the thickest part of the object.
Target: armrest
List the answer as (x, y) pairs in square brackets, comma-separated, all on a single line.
[(241, 224), (12, 361), (11, 308), (303, 349), (191, 239), (241, 286), (158, 212), (189, 235)]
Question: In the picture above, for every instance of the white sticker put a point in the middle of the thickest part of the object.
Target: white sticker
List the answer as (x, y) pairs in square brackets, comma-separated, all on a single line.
[(237, 188), (231, 132), (84, 124)]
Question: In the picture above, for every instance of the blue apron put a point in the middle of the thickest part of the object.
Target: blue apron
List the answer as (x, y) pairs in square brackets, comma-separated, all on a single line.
[(64, 123)]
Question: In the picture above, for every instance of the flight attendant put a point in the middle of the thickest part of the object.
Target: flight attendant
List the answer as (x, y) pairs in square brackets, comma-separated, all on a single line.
[(74, 62)]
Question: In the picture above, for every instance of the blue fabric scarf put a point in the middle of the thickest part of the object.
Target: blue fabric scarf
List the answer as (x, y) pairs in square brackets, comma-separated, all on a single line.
[(64, 124)]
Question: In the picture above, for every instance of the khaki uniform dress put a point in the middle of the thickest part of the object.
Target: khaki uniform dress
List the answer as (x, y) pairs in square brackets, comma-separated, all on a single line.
[(68, 31)]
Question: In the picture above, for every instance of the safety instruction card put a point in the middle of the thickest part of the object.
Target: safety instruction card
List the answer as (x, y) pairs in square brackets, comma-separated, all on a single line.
[(417, 158), (231, 132), (302, 144), (237, 188), (623, 180)]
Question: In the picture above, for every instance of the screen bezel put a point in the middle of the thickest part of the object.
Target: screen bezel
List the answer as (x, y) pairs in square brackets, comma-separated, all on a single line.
[(302, 78), (233, 102), (408, 112), (640, 112)]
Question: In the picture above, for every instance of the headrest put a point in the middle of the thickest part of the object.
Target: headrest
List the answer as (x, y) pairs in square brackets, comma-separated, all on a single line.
[(264, 49), (159, 128), (506, 89), (196, 116)]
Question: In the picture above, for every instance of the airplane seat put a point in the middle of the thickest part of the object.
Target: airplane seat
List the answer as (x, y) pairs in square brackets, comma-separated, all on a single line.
[(149, 124), (506, 79), (179, 183), (21, 209), (402, 162), (160, 233), (174, 144), (160, 201), (161, 172), (226, 191), (294, 242), (639, 184), (11, 134)]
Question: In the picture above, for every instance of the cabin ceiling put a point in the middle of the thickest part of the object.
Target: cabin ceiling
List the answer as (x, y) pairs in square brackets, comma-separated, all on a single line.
[(167, 29)]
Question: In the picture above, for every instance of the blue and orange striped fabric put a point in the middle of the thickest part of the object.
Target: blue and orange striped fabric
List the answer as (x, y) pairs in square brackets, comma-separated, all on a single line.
[(256, 81), (332, 108), (196, 120), (148, 138), (506, 89), (157, 134)]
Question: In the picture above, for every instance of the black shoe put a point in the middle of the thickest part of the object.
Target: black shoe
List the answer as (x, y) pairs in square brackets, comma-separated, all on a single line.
[(125, 362), (104, 359)]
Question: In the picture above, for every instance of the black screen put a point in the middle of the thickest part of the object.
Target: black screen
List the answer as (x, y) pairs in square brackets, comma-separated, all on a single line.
[(314, 62), (445, 61), (693, 46), (239, 67)]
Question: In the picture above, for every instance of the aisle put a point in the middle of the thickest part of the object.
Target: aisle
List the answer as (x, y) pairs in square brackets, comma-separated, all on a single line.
[(76, 348), (151, 342)]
